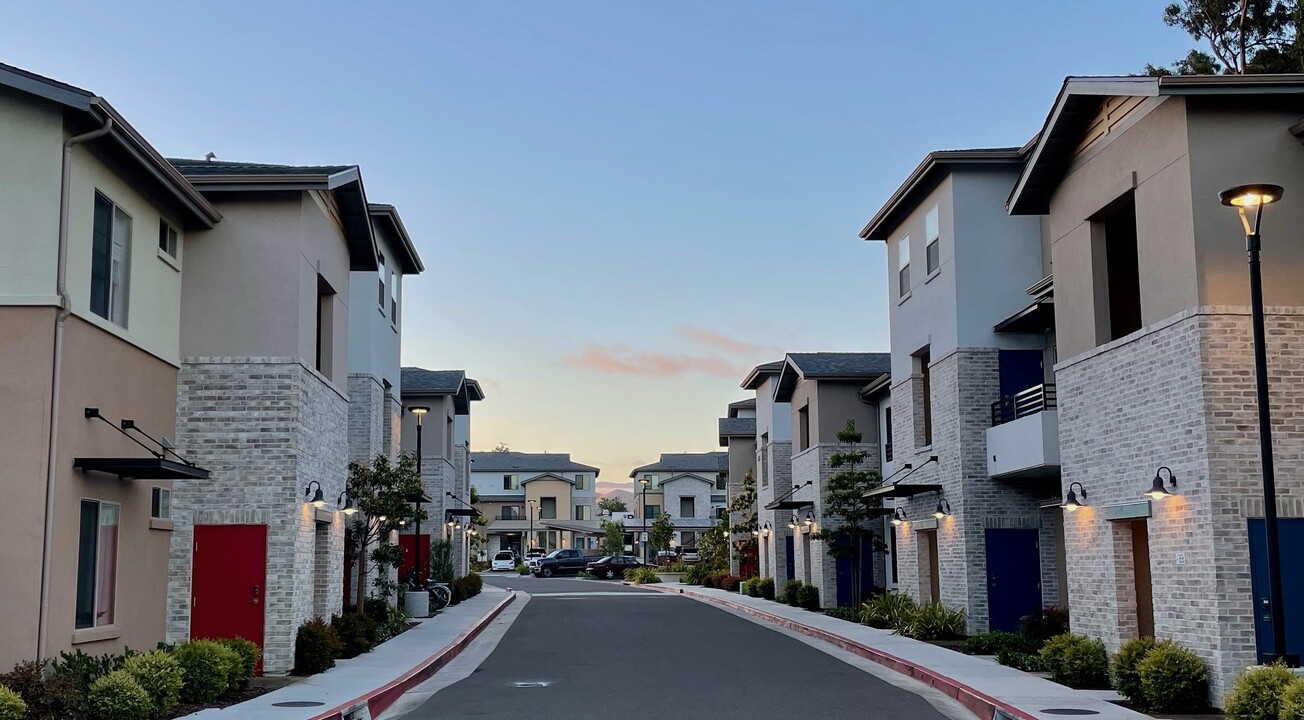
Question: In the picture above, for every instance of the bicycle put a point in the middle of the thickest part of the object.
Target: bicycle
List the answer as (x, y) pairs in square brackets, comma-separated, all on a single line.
[(440, 593)]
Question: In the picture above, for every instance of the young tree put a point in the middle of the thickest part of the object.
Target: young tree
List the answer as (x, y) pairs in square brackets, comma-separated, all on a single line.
[(662, 530), (381, 491), (713, 546), (613, 539), (742, 511), (1244, 36), (845, 508), (501, 448), (612, 504)]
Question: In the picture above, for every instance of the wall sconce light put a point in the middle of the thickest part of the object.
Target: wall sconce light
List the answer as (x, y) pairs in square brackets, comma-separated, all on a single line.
[(810, 520), (318, 500), (898, 517), (1071, 503), (767, 528), (943, 509), (402, 522), (756, 533), (792, 522), (346, 503), (1157, 490)]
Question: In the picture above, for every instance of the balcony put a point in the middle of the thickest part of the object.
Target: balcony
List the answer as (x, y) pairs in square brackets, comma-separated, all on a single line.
[(1023, 441)]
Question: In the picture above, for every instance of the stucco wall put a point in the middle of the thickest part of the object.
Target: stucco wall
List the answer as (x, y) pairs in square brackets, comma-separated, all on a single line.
[(374, 336), (31, 139)]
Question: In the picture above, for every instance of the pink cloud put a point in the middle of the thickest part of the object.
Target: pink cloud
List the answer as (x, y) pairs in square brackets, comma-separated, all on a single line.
[(622, 360)]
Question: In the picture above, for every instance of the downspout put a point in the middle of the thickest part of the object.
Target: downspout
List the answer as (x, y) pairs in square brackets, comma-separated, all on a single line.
[(65, 309)]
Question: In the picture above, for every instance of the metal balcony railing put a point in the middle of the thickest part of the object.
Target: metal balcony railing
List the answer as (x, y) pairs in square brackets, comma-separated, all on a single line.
[(887, 452), (510, 516), (1023, 403)]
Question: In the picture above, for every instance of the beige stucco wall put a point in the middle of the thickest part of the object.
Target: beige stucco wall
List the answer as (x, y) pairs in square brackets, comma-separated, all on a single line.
[(559, 489), (436, 427), (31, 135), (832, 404)]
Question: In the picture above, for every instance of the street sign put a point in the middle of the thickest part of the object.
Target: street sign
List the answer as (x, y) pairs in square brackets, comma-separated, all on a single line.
[(643, 536)]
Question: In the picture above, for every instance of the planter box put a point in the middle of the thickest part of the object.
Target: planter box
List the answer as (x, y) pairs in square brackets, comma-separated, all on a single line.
[(670, 577)]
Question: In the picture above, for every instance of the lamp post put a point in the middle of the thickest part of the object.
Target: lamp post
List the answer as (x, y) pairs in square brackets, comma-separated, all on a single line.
[(1256, 197), (642, 538), (419, 411), (529, 539)]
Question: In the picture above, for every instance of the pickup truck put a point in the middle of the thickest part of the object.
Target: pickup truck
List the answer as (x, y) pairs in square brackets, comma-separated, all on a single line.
[(563, 561)]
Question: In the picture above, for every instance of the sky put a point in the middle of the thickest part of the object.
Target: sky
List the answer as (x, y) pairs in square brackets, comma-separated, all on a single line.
[(622, 206)]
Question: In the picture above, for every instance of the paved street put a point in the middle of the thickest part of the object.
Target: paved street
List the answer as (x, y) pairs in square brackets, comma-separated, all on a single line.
[(602, 650)]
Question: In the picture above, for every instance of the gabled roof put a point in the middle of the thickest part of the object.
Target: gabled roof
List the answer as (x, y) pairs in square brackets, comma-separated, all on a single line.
[(760, 373), (685, 476), (735, 407), (925, 178), (92, 112), (548, 476), (736, 427), (388, 217), (1077, 103), (419, 382), (857, 367), (527, 462), (712, 462), (344, 182)]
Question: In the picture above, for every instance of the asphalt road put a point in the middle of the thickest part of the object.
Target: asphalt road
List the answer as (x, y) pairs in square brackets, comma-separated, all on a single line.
[(593, 649)]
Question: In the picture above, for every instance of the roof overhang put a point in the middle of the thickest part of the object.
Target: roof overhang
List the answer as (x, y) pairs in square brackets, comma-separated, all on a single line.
[(387, 215), (792, 374), (901, 490), (760, 373), (685, 476), (925, 178), (470, 392), (140, 468), (876, 386), (548, 476), (788, 504), (1038, 317)]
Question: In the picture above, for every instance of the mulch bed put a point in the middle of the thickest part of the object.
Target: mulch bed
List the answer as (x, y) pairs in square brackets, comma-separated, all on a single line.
[(236, 697)]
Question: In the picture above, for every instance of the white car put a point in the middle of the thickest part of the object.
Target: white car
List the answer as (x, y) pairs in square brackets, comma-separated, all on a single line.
[(504, 560)]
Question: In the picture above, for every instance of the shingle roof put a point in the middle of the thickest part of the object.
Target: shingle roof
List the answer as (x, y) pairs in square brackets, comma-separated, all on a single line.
[(432, 382), (737, 427), (841, 364), (190, 167), (523, 462), (687, 462), (743, 404), (760, 372)]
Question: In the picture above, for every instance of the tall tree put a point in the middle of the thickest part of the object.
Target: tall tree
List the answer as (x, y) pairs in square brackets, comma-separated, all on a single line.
[(1244, 36), (380, 492), (713, 546), (612, 504), (846, 512), (662, 530), (613, 539), (743, 520)]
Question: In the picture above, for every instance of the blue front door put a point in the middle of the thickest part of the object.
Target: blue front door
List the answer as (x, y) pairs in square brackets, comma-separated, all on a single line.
[(1291, 534), (845, 584), (1013, 576), (792, 561)]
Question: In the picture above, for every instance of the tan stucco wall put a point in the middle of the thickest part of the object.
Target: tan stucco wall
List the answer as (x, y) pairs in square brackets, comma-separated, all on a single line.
[(31, 136), (550, 488), (832, 404)]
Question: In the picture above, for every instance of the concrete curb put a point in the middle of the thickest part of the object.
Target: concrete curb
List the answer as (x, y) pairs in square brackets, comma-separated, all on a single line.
[(379, 700), (977, 702)]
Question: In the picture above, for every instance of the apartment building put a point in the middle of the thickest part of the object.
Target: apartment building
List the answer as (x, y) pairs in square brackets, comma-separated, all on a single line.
[(1155, 363), (738, 436), (773, 472), (689, 487), (547, 493), (90, 315)]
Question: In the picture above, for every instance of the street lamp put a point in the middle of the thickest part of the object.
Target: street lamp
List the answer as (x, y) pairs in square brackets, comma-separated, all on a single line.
[(1255, 197), (642, 538), (529, 540), (419, 411)]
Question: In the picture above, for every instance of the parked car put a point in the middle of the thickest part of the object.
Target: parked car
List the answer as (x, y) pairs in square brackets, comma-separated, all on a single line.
[(503, 560), (613, 566), (666, 557), (562, 561), (533, 557), (689, 556)]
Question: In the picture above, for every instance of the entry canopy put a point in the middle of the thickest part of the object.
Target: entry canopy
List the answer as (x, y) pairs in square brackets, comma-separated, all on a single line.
[(901, 490), (141, 468)]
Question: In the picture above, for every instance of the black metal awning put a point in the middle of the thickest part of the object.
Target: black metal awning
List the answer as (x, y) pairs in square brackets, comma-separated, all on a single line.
[(1036, 318), (900, 490), (880, 511), (461, 512), (418, 498), (141, 468), (788, 504)]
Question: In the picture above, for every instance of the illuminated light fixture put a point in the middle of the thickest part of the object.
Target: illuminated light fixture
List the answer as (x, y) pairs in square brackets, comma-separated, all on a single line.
[(943, 509), (792, 521), (318, 499), (810, 520), (767, 528), (402, 522), (1071, 503), (346, 503), (898, 517), (418, 410), (1252, 195), (1157, 490), (383, 518)]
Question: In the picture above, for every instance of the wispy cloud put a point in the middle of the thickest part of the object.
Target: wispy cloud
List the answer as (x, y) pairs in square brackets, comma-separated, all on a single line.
[(623, 360), (724, 343)]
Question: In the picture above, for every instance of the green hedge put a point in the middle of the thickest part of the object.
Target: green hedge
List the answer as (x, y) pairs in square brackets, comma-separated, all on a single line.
[(1077, 661), (1173, 679), (316, 646), (1257, 693), (12, 706), (117, 696), (160, 675), (205, 670)]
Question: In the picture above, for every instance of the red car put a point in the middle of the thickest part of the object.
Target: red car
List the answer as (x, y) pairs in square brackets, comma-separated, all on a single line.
[(612, 566)]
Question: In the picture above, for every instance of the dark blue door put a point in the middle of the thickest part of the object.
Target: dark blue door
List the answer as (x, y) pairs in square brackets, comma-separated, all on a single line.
[(792, 561), (845, 584), (1013, 576), (1020, 370), (1291, 534)]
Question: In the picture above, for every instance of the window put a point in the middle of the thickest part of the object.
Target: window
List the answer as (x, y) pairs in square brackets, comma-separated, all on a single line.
[(765, 460), (582, 482), (653, 481), (687, 507), (887, 430), (512, 512), (511, 482), (721, 482), (160, 506), (687, 539), (803, 427), (903, 266), (97, 564), (110, 255), (380, 268), (583, 512), (924, 428), (393, 296), (932, 241), (1118, 289), (325, 326), (651, 512), (548, 508), (168, 238)]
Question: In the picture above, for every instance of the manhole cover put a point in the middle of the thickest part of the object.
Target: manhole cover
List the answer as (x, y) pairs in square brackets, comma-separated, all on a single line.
[(533, 684), (298, 703), (1069, 711)]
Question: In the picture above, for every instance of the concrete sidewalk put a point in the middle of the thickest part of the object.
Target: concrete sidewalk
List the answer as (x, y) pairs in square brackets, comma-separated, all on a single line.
[(362, 687), (981, 685)]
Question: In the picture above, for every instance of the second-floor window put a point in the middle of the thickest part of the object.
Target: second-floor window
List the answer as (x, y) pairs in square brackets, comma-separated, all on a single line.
[(393, 297), (511, 482), (380, 268), (903, 266), (653, 481), (110, 258), (168, 239), (687, 507), (924, 430), (722, 482), (932, 241), (513, 512), (652, 512), (582, 482), (803, 428), (583, 512), (887, 432), (765, 460), (548, 508)]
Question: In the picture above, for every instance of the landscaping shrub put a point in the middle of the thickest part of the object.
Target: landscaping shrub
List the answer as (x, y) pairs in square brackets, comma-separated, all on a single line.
[(766, 587), (357, 633), (674, 567), (993, 642), (889, 611), (49, 696), (316, 646), (1173, 679), (789, 593), (694, 575), (1041, 626), (1020, 660), (249, 654), (12, 706), (205, 673), (475, 582), (117, 696), (731, 583), (808, 597), (160, 676), (82, 669), (1123, 668), (1257, 693), (1077, 661), (644, 575), (1292, 701), (522, 569), (843, 613), (934, 621), (752, 587)]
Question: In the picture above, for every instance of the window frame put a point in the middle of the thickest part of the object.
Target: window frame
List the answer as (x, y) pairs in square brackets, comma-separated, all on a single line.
[(692, 505), (932, 241), (116, 291), (511, 482), (96, 590), (160, 501), (542, 506), (393, 296), (169, 239), (380, 270), (903, 266), (582, 512), (649, 516), (582, 481)]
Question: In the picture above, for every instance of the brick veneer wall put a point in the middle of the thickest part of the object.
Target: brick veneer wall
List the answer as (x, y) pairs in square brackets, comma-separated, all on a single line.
[(392, 417), (774, 553), (265, 428), (1180, 393), (814, 563), (366, 421)]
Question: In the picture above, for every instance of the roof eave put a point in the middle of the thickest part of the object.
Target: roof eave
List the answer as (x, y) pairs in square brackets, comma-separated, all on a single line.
[(408, 258), (886, 219)]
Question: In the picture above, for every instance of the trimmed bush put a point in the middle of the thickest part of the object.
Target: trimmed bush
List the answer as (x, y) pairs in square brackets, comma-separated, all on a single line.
[(889, 611), (993, 642), (159, 675), (316, 646), (1123, 667), (789, 593), (81, 669), (117, 696), (1257, 693), (357, 633), (766, 587), (204, 670), (1020, 660), (934, 621), (1173, 679), (474, 582), (1292, 701), (1041, 626), (49, 696), (644, 575), (1077, 661), (808, 597), (843, 613), (731, 583), (249, 654), (12, 706), (695, 574), (522, 569)]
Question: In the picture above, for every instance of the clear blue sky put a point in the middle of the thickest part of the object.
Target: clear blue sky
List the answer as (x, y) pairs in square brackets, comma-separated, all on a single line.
[(621, 205)]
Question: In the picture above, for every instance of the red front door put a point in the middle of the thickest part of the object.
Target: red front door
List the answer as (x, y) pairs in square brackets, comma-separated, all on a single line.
[(228, 582), (408, 543)]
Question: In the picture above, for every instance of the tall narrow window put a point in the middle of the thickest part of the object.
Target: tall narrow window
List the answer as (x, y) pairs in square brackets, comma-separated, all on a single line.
[(325, 327), (803, 428), (721, 482), (97, 564), (1119, 287), (548, 508), (687, 507), (168, 238), (933, 241), (511, 482), (380, 268), (765, 460), (903, 266), (393, 297), (887, 434), (924, 429), (110, 258)]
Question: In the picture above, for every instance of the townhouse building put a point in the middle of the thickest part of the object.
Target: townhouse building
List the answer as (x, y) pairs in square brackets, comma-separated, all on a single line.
[(773, 472), (689, 487), (738, 436), (89, 312), (547, 493), (1155, 363), (972, 412)]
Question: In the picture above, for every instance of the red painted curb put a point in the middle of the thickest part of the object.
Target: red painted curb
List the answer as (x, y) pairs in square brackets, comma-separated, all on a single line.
[(977, 702), (379, 700)]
